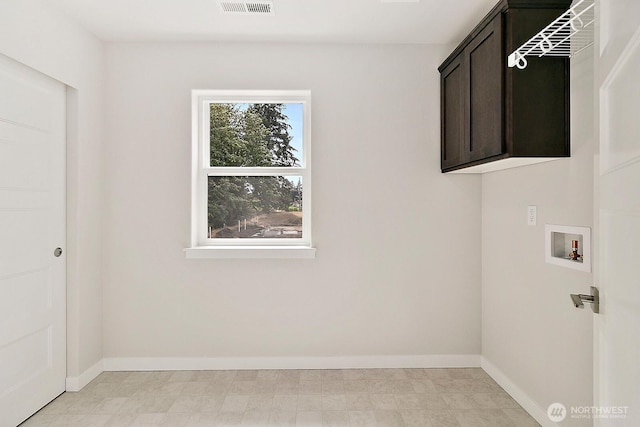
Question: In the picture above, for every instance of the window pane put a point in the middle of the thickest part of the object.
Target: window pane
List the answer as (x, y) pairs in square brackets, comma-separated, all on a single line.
[(256, 134), (255, 207)]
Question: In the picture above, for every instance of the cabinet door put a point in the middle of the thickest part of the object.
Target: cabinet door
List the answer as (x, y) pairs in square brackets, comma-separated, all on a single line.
[(484, 106), (452, 93)]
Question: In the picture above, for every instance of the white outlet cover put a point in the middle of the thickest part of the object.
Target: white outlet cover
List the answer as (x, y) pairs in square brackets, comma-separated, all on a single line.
[(532, 215)]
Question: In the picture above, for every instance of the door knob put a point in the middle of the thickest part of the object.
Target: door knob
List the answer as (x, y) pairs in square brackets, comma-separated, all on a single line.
[(57, 252), (593, 299)]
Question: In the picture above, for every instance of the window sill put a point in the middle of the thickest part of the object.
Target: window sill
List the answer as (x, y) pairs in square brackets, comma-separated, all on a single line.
[(250, 252)]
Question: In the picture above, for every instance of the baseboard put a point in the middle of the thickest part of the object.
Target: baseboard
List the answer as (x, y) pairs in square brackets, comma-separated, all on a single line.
[(344, 362), (242, 363), (78, 383), (519, 395)]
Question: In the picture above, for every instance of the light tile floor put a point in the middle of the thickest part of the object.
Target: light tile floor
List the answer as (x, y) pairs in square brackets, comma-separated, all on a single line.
[(297, 398)]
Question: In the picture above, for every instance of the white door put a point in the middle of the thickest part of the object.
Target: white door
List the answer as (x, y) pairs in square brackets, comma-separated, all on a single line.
[(32, 226), (617, 356)]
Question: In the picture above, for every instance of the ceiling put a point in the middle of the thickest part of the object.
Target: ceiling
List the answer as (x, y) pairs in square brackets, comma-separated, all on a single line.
[(332, 21)]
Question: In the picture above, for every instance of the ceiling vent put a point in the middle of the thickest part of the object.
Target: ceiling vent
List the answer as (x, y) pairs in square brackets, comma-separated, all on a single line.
[(247, 7)]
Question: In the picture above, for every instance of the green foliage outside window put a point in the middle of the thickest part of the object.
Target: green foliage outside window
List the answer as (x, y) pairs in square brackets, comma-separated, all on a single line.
[(257, 136)]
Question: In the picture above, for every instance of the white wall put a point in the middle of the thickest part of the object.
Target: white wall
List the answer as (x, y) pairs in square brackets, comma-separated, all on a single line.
[(397, 269), (40, 37), (531, 332)]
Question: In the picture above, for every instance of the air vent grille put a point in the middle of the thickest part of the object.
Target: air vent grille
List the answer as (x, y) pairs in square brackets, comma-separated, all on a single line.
[(247, 7)]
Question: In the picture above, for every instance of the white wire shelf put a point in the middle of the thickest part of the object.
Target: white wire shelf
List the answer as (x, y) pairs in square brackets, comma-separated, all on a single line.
[(568, 35)]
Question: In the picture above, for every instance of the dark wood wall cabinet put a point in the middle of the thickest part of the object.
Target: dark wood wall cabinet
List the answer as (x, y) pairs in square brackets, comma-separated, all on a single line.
[(494, 117)]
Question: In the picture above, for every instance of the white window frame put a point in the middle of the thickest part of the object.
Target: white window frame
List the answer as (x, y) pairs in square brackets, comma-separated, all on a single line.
[(201, 245)]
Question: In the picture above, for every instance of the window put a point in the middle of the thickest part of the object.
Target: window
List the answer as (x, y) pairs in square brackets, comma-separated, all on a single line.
[(251, 182)]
